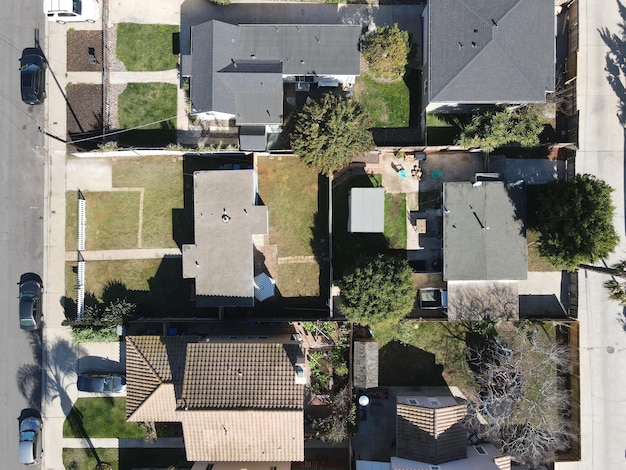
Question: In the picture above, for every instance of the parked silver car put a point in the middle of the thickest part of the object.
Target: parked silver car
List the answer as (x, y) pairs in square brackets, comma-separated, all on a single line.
[(30, 301), (30, 440)]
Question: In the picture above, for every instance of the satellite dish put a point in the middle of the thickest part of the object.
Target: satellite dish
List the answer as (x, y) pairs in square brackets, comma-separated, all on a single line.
[(364, 400)]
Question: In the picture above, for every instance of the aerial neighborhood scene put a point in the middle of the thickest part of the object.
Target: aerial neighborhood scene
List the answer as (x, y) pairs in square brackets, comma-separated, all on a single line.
[(314, 234)]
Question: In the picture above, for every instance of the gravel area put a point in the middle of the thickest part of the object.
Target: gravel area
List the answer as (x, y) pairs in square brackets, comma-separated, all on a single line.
[(84, 51)]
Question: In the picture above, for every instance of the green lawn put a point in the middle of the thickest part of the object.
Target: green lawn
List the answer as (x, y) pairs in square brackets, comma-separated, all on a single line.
[(146, 47), (290, 190), (155, 285), (395, 220), (151, 108), (536, 262), (100, 417), (127, 458), (113, 217), (430, 352), (388, 104), (85, 458), (162, 181), (112, 220)]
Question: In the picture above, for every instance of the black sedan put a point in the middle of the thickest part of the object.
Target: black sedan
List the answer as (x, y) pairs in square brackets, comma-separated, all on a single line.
[(101, 382), (30, 301), (33, 76)]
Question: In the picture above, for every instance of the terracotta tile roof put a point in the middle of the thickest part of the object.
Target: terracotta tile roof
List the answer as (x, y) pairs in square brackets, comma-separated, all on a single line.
[(241, 375), (433, 435), (236, 401), (151, 361), (243, 436)]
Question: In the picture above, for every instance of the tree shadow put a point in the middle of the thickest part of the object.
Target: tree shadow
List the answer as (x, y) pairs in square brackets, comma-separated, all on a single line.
[(61, 359), (405, 365), (615, 61)]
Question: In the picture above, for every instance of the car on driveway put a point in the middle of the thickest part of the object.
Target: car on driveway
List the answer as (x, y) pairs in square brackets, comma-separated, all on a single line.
[(33, 76), (71, 11), (30, 440), (30, 301), (100, 382)]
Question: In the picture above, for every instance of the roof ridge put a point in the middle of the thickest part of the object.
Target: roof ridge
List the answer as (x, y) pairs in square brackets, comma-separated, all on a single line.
[(133, 346), (146, 361)]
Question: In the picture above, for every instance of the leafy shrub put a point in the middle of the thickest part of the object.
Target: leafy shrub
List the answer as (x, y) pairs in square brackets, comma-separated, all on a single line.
[(387, 52)]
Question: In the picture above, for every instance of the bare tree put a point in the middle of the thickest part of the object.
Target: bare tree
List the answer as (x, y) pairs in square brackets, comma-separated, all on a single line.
[(522, 402), (336, 426)]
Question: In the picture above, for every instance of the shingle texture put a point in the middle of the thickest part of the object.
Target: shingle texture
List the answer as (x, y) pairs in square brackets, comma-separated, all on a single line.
[(490, 51), (239, 69), (482, 236), (222, 258), (236, 401), (365, 367)]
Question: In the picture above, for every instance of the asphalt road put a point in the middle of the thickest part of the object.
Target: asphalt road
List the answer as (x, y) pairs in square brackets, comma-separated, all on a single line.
[(21, 220)]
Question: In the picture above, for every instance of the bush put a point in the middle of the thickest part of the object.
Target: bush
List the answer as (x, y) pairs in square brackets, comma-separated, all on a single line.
[(387, 52), (378, 289), (328, 133)]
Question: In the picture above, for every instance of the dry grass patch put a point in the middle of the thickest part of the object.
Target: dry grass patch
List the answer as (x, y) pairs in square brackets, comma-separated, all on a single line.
[(298, 280)]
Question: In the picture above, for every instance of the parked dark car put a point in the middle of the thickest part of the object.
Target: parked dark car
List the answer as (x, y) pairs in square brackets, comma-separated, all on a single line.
[(30, 451), (33, 76), (30, 301), (101, 382)]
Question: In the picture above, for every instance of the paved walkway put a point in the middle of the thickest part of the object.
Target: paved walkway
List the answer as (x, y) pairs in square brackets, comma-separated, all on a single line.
[(137, 253), (162, 442)]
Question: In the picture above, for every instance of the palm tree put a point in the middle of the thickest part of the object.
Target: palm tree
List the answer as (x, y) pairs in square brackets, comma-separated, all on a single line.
[(617, 290)]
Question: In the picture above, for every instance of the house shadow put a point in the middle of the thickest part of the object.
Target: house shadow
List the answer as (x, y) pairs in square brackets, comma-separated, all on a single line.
[(405, 365)]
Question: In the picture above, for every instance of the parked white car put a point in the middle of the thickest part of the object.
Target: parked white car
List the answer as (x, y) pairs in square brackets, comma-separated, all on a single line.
[(70, 11)]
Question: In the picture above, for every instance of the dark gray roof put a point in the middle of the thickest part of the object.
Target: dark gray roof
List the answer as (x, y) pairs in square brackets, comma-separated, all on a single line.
[(252, 138), (221, 260), (507, 53), (239, 69), (482, 237), (365, 367)]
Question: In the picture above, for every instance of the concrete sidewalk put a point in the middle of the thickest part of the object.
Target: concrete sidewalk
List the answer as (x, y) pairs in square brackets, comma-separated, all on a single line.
[(162, 442), (137, 253)]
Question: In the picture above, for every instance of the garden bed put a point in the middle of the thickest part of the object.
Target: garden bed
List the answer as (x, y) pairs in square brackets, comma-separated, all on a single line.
[(84, 51), (84, 108)]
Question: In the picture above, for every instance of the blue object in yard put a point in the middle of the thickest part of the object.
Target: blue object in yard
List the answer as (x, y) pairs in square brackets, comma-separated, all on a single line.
[(436, 174), (402, 174), (172, 331)]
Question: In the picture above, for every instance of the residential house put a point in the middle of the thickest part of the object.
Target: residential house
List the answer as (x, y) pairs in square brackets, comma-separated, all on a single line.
[(239, 71), (480, 52), (484, 250), (226, 216), (237, 401)]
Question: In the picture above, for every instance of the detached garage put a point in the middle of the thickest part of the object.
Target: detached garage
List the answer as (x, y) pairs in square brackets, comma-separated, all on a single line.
[(367, 210)]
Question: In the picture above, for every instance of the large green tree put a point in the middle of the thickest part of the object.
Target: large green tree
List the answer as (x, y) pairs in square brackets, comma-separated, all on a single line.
[(328, 133), (493, 129), (387, 52), (378, 289), (574, 219)]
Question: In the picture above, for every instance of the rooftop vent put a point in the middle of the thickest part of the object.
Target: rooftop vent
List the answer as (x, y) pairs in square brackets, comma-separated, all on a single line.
[(225, 216)]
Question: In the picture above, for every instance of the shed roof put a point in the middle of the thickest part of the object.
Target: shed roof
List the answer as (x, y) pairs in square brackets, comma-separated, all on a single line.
[(365, 367), (225, 218), (490, 51), (483, 238), (367, 210)]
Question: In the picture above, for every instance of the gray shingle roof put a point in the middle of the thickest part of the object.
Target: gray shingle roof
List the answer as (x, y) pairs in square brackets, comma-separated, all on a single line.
[(223, 58), (365, 367), (482, 238), (490, 51), (221, 260)]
